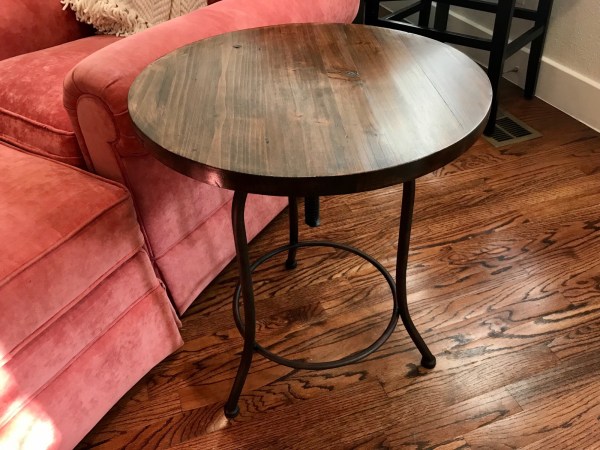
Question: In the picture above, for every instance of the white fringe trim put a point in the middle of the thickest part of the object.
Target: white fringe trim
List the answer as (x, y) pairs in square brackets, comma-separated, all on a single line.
[(125, 17)]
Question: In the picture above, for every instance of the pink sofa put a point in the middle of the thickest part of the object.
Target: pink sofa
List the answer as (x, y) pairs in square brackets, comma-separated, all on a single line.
[(83, 316), (92, 271)]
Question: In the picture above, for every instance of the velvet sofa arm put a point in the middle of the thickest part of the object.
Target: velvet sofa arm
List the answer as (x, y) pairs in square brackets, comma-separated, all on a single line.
[(96, 89), (30, 25)]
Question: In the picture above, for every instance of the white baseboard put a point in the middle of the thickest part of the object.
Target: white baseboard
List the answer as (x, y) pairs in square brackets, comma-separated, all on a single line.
[(563, 88)]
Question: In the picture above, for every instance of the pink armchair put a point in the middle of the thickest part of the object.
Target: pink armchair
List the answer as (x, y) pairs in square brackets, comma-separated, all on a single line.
[(88, 269)]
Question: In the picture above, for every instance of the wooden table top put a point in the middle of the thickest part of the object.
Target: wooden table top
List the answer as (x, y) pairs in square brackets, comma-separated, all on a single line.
[(309, 109)]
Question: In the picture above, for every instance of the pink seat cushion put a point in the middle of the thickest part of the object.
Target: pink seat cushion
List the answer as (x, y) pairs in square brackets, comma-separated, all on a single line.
[(32, 369), (32, 115), (74, 399), (62, 230)]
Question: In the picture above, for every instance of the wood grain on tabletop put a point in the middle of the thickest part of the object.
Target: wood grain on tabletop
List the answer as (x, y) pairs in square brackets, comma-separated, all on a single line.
[(310, 108)]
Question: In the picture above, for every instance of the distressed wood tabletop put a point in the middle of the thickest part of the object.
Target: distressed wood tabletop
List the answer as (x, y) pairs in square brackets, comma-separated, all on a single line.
[(310, 108)]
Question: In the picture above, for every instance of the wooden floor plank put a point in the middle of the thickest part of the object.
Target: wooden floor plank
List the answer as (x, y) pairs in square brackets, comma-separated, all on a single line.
[(580, 341), (584, 434), (429, 426), (359, 411), (564, 398), (503, 283)]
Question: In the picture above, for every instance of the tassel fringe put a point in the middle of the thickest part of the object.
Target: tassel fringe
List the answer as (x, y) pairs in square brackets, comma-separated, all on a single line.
[(126, 17)]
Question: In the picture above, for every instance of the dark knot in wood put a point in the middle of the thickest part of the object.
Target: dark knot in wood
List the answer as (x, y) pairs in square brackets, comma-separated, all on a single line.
[(343, 74)]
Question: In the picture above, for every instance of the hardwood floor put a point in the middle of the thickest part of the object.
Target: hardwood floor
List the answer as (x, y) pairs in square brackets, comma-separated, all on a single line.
[(504, 284)]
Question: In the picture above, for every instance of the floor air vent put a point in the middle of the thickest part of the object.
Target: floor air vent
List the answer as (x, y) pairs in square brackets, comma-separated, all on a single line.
[(510, 130)]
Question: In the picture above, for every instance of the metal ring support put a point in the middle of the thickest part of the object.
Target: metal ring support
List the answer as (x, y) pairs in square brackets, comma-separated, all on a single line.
[(245, 290), (354, 357)]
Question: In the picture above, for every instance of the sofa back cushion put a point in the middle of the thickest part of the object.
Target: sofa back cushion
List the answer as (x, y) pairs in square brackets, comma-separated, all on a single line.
[(30, 25)]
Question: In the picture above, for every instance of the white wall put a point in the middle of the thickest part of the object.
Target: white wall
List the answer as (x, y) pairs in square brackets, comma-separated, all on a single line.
[(570, 72), (574, 36)]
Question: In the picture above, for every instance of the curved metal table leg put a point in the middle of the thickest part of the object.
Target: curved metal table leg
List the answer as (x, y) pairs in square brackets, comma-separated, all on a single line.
[(408, 200), (293, 210), (248, 328), (241, 247)]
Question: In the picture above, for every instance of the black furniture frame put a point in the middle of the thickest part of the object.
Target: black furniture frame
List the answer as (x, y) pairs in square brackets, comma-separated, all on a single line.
[(499, 46), (247, 324)]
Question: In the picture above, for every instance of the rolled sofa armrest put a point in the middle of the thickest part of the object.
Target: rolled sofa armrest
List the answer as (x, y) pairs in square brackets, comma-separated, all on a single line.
[(96, 89), (30, 25)]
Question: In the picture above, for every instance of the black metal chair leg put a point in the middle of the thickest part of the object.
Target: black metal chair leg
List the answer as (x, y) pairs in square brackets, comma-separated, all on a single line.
[(442, 11), (537, 47), (408, 200), (291, 262), (311, 211), (502, 23), (241, 247), (371, 11), (425, 13), (360, 16)]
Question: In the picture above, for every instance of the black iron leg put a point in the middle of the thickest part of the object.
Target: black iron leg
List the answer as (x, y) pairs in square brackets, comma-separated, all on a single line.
[(293, 209), (371, 12), (360, 16), (408, 200), (502, 24), (537, 47), (425, 13), (241, 248), (311, 211), (442, 11)]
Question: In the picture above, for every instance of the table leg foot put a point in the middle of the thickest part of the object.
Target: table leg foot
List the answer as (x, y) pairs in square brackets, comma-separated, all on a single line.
[(291, 264), (232, 413), (428, 363), (427, 358)]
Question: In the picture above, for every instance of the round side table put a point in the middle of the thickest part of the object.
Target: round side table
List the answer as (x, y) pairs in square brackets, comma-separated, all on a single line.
[(309, 110)]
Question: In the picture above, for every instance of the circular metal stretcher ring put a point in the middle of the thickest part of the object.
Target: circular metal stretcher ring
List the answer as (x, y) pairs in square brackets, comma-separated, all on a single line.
[(354, 357)]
